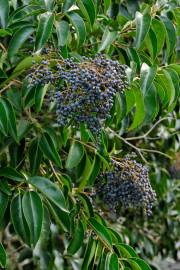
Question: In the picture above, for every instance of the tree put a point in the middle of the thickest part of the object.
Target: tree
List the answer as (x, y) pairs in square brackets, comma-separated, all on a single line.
[(66, 163)]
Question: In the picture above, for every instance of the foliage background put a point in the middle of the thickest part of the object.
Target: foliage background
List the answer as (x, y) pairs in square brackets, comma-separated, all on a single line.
[(145, 120)]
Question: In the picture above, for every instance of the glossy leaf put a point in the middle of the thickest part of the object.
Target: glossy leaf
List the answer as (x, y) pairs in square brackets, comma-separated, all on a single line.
[(107, 39), (44, 30), (12, 174), (111, 262), (67, 4), (147, 76), (62, 29), (77, 239), (50, 190), (11, 120), (49, 150), (39, 96), (170, 35), (142, 27), (88, 9), (18, 220), (4, 199), (4, 13), (151, 104), (35, 156), (3, 116), (3, 256), (126, 250), (33, 213), (75, 155), (18, 39), (141, 263), (101, 231), (79, 25), (159, 31), (89, 253)]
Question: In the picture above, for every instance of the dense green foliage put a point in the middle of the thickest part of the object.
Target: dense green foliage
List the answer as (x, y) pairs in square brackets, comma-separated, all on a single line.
[(48, 173)]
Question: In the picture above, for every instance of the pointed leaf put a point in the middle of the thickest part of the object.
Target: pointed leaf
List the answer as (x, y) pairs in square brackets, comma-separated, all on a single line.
[(12, 174), (3, 256), (111, 262), (20, 36), (75, 155), (50, 190), (44, 29), (4, 13), (77, 239), (170, 35), (159, 31), (35, 156), (62, 29), (89, 253), (107, 39), (142, 27), (33, 213), (18, 220), (147, 76)]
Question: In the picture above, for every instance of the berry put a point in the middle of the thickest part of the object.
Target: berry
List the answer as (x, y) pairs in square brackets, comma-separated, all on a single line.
[(126, 185)]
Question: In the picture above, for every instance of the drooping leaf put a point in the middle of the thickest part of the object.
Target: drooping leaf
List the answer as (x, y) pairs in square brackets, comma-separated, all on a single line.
[(126, 250), (18, 220), (19, 37), (141, 263), (142, 27), (75, 155), (147, 76), (79, 25), (159, 31), (77, 239), (89, 254), (3, 117), (49, 150), (62, 29), (44, 29), (50, 190), (111, 262), (39, 96), (4, 199), (3, 256), (107, 39), (35, 156), (12, 174), (151, 104), (4, 13), (101, 231), (170, 35), (33, 213), (87, 7)]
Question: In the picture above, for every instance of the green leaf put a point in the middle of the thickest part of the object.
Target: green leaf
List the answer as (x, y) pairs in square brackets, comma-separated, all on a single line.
[(4, 13), (5, 32), (19, 37), (3, 117), (142, 27), (87, 7), (111, 262), (49, 150), (3, 205), (120, 107), (168, 84), (159, 31), (151, 104), (101, 231), (35, 156), (126, 250), (26, 63), (75, 155), (33, 213), (11, 120), (170, 35), (175, 80), (79, 25), (151, 44), (141, 263), (62, 29), (130, 100), (61, 217), (50, 190), (67, 4), (107, 4), (85, 174), (133, 55), (140, 109), (77, 239), (12, 174), (134, 265), (107, 39), (87, 204), (18, 220), (89, 254), (39, 96), (147, 76), (3, 257), (44, 29), (95, 168)]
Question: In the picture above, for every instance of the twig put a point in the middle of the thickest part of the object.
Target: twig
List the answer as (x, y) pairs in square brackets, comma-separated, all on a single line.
[(149, 131), (54, 172)]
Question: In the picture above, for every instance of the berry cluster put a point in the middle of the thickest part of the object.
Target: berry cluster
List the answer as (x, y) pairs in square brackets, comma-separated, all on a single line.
[(85, 90), (126, 185)]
